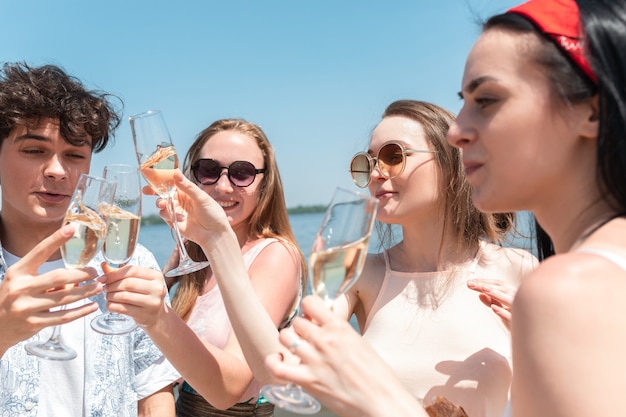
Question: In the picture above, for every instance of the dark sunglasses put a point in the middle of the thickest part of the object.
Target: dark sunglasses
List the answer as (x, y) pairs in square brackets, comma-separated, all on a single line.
[(391, 160), (240, 173)]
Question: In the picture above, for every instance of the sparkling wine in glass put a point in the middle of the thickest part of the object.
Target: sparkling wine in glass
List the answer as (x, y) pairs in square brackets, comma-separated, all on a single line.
[(158, 161), (86, 212), (335, 262), (123, 220)]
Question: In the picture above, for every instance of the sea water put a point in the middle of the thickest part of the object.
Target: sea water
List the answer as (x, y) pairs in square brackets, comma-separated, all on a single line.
[(160, 241)]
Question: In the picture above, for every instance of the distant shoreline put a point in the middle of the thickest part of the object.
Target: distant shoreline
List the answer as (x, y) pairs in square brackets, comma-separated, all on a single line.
[(155, 219)]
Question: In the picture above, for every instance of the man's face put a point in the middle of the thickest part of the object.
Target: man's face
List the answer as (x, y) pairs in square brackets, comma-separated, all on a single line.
[(38, 172)]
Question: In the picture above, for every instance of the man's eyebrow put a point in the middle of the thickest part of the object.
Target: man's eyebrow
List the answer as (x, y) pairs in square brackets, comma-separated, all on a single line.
[(42, 138), (29, 135)]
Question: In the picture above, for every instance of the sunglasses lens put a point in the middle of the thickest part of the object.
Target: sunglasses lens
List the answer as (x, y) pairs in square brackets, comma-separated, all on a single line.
[(242, 173), (207, 171), (360, 170), (390, 160)]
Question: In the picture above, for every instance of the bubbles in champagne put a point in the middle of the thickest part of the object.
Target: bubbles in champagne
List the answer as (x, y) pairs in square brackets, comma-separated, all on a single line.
[(333, 271), (122, 233), (89, 232), (159, 169)]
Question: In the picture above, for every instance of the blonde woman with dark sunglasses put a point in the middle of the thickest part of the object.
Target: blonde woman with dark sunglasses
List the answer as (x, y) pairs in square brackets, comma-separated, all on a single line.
[(249, 240), (412, 300)]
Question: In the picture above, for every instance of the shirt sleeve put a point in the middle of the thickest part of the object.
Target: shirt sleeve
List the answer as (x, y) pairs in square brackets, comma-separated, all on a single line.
[(152, 370)]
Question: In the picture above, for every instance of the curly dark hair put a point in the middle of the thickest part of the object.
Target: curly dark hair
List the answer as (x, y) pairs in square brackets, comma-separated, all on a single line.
[(29, 94)]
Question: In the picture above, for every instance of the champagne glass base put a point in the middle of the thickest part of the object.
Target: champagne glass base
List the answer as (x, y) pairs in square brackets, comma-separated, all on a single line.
[(291, 398), (113, 324), (186, 267), (52, 349)]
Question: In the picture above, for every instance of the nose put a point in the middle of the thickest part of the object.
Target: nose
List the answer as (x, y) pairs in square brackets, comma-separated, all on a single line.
[(460, 134), (54, 168), (223, 182), (375, 174)]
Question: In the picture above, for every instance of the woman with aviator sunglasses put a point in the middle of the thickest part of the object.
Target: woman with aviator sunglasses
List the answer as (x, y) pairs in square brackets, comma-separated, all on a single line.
[(411, 300), (246, 235), (414, 293)]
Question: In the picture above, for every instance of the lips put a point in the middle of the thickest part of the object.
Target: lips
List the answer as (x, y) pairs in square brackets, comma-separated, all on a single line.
[(52, 197), (471, 167), (227, 204), (383, 194)]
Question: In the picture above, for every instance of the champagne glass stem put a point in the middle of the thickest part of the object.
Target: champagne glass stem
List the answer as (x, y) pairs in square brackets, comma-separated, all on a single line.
[(186, 264), (53, 348), (112, 323), (55, 338), (179, 238)]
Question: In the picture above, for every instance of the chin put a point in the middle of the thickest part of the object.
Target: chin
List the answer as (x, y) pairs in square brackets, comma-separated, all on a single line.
[(493, 204)]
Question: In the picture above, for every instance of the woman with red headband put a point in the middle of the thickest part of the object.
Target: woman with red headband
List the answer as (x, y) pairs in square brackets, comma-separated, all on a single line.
[(542, 128)]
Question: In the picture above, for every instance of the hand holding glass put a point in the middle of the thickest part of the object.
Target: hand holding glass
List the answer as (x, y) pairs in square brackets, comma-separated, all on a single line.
[(157, 162), (86, 212), (336, 260), (123, 222)]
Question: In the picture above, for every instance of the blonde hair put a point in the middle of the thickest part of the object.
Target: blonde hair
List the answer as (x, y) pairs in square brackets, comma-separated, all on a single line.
[(269, 219)]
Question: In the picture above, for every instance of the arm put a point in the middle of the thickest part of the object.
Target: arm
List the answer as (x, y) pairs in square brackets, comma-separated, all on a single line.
[(339, 368), (159, 404), (140, 292), (250, 309), (569, 341), (26, 298)]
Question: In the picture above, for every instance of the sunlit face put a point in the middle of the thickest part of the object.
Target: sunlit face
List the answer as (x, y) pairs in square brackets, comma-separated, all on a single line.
[(39, 171), (227, 147), (515, 139), (413, 192)]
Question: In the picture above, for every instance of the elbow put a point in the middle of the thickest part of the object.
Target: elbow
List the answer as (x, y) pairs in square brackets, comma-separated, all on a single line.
[(225, 398), (224, 402)]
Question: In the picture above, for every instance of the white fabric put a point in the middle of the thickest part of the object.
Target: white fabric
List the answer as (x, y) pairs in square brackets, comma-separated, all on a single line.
[(106, 379), (448, 344), (616, 259), (209, 318)]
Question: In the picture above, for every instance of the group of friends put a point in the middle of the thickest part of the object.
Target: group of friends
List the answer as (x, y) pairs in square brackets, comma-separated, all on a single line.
[(447, 311)]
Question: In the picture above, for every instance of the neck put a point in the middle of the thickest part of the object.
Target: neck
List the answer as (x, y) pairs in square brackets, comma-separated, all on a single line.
[(426, 249), (19, 238), (568, 231), (242, 232)]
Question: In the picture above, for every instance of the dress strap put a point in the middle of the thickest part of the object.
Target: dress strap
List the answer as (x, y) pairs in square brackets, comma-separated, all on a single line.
[(616, 259), (386, 258)]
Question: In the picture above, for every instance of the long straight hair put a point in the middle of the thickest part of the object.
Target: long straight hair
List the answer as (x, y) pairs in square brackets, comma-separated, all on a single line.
[(269, 219), (467, 223)]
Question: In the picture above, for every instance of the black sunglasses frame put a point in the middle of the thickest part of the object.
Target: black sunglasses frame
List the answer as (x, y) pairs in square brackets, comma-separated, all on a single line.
[(252, 174)]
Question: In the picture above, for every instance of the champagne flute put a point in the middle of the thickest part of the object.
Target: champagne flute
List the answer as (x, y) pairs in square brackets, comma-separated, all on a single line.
[(335, 262), (157, 162), (86, 213), (123, 221)]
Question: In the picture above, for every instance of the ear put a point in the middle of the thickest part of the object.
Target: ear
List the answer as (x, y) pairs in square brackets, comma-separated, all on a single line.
[(590, 126)]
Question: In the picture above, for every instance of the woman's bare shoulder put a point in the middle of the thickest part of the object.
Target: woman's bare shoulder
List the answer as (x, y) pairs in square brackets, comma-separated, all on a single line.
[(573, 281), (514, 263)]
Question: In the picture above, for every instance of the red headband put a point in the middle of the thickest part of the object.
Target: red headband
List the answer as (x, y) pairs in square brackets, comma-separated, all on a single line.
[(560, 20)]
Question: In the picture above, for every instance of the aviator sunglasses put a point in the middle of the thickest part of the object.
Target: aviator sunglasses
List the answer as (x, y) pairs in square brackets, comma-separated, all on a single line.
[(240, 173), (391, 160)]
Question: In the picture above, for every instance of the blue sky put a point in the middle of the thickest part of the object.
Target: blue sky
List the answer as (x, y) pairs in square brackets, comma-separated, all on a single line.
[(316, 75)]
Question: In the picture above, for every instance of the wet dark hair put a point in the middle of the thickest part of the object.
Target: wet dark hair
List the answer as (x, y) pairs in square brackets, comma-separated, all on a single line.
[(29, 94), (604, 25)]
